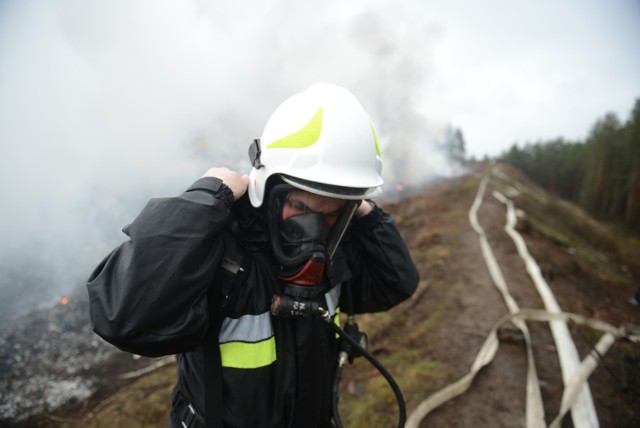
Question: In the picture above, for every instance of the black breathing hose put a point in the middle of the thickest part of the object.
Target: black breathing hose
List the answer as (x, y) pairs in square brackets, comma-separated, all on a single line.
[(392, 383)]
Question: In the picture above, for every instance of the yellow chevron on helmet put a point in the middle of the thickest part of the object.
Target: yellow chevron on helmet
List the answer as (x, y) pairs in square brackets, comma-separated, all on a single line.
[(375, 139), (305, 137), (323, 141)]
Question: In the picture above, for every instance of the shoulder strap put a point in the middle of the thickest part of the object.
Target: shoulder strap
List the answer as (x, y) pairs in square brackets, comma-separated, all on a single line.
[(231, 263), (213, 409), (228, 270)]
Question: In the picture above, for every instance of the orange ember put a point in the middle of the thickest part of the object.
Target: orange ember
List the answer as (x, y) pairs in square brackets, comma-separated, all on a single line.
[(64, 300)]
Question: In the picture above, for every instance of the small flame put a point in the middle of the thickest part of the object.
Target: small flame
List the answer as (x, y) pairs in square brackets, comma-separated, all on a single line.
[(64, 300)]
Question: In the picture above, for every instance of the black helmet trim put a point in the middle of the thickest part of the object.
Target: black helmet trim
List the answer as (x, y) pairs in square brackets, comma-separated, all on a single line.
[(329, 190)]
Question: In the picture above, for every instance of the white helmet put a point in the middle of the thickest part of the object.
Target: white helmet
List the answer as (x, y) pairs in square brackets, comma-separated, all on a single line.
[(322, 141)]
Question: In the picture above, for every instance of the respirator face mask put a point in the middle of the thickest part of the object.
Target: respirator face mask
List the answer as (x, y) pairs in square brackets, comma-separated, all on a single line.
[(305, 230)]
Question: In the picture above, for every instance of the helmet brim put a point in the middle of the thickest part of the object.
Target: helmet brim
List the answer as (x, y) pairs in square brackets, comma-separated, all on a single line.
[(330, 190)]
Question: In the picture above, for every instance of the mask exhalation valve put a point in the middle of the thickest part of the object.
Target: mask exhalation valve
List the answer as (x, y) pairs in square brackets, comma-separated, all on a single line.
[(311, 272)]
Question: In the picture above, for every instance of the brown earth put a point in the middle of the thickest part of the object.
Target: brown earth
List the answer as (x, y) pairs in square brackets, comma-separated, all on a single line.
[(433, 339)]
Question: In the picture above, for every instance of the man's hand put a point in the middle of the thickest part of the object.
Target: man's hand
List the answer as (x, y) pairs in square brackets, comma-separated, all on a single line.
[(363, 209), (236, 182)]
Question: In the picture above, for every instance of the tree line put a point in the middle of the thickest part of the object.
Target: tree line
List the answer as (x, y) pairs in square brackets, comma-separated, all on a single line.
[(601, 174)]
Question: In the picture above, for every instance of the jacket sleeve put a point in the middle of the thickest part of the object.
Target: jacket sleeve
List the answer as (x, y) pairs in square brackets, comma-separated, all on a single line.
[(383, 272), (149, 296)]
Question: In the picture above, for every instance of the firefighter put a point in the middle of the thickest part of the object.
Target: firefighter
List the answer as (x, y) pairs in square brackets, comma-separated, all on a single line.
[(200, 272)]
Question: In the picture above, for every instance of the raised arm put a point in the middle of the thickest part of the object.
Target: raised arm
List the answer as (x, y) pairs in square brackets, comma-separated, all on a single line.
[(384, 273), (149, 296)]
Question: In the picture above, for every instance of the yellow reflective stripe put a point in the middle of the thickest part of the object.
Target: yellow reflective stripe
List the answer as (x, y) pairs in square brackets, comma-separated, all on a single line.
[(305, 137), (336, 319), (243, 355), (375, 139)]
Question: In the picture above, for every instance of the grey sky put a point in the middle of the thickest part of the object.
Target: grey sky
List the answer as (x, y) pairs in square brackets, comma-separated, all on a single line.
[(522, 71)]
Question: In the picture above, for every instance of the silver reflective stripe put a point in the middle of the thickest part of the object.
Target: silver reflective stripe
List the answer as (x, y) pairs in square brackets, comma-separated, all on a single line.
[(247, 328), (333, 299)]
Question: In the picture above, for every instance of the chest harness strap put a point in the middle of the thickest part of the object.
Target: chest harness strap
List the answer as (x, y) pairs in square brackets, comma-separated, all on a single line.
[(226, 275)]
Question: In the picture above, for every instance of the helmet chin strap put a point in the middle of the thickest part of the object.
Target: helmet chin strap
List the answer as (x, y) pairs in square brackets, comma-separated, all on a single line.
[(341, 226)]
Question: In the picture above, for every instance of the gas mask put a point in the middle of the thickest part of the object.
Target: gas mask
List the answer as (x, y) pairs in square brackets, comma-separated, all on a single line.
[(303, 240)]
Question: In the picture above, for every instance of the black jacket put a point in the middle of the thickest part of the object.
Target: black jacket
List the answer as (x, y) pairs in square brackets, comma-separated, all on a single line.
[(150, 297)]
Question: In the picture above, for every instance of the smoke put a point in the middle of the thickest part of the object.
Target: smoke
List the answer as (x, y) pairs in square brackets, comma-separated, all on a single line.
[(106, 104)]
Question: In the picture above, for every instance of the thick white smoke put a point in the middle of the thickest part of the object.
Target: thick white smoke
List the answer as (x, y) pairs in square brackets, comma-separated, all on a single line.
[(106, 104)]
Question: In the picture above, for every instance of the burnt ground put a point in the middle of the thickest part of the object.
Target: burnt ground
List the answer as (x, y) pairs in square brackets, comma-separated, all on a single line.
[(432, 339)]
